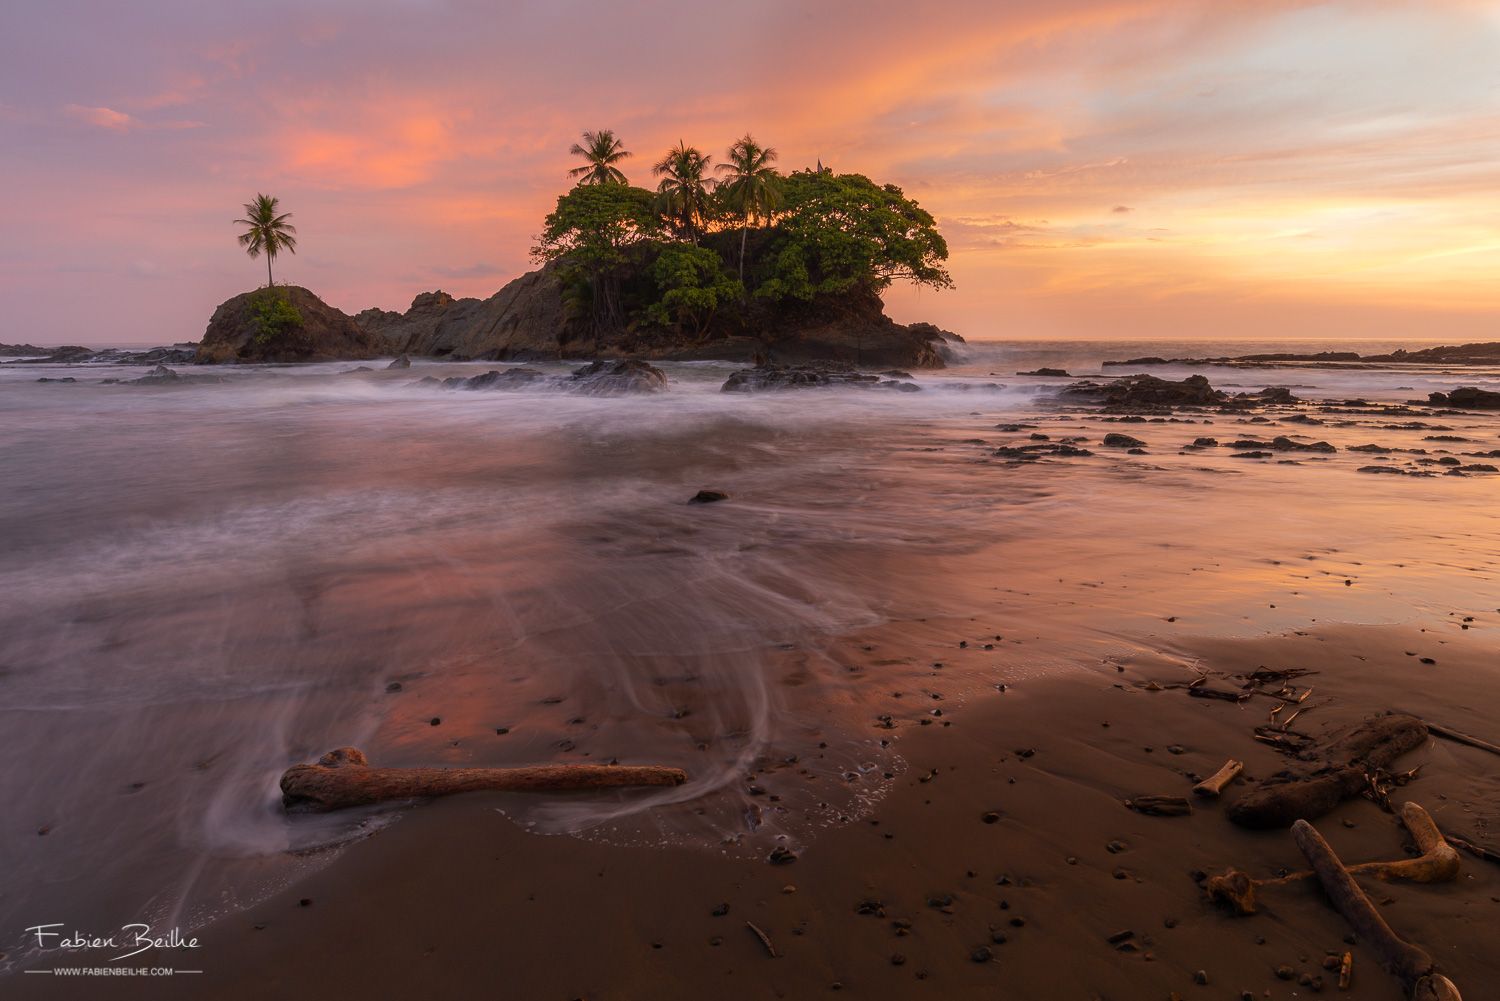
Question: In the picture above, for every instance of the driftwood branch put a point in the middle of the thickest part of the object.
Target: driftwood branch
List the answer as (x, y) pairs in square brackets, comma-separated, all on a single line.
[(1409, 963), (1215, 783), (1369, 747), (1161, 806), (343, 778), (1457, 737), (1437, 863)]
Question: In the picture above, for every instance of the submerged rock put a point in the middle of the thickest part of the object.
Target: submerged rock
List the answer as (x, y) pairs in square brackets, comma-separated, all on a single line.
[(404, 361), (708, 497), (159, 375), (511, 378), (1048, 372)]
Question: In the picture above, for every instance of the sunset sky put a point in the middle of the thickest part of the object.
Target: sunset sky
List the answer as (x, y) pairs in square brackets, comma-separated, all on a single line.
[(1100, 167)]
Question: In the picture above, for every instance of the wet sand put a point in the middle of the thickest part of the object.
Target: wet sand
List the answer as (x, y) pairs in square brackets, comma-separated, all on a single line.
[(455, 899)]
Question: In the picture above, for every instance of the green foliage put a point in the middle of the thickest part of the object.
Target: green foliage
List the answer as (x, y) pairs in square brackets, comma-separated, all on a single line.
[(693, 285), (836, 232), (267, 231), (592, 233), (274, 315), (594, 225), (626, 256)]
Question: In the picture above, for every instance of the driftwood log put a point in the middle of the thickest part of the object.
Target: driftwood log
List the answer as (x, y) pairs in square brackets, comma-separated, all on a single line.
[(1409, 963), (1215, 783), (343, 778), (1161, 806), (1369, 747), (1437, 863)]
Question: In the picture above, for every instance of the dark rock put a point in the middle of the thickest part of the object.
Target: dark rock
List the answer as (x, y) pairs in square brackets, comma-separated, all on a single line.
[(158, 376), (765, 377), (1468, 398), (708, 497), (618, 378), (1116, 440), (1148, 391), (502, 379), (1055, 373), (234, 333), (66, 378), (404, 361), (527, 320), (23, 351)]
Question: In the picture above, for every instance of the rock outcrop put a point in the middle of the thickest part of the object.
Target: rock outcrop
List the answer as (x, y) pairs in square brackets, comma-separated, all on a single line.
[(618, 378), (524, 321), (1148, 391), (601, 378), (528, 321), (237, 332), (1467, 398), (780, 377)]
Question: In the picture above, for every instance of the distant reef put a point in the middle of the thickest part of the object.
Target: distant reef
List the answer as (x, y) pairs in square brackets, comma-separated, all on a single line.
[(1484, 353)]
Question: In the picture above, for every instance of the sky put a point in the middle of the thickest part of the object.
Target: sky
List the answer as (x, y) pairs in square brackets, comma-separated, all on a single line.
[(1100, 168)]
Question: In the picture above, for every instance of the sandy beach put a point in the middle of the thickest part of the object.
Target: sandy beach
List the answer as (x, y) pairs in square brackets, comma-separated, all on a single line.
[(934, 729)]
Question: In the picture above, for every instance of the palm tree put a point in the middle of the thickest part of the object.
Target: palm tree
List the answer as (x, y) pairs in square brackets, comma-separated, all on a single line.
[(682, 195), (267, 231), (750, 185), (600, 151)]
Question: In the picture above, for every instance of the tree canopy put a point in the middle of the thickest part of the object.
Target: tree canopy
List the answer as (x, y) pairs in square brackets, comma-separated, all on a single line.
[(629, 256)]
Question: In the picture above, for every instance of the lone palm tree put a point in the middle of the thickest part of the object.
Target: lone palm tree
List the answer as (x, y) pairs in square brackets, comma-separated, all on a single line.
[(750, 185), (600, 151), (683, 194), (267, 231)]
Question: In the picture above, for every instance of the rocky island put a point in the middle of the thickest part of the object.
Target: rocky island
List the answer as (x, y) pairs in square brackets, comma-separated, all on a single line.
[(762, 267)]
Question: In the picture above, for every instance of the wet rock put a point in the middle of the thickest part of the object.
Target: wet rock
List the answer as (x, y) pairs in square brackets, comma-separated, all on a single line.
[(404, 361), (1467, 397), (776, 377), (158, 376), (1117, 440), (1149, 392), (619, 378), (503, 379), (708, 497), (1055, 373)]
